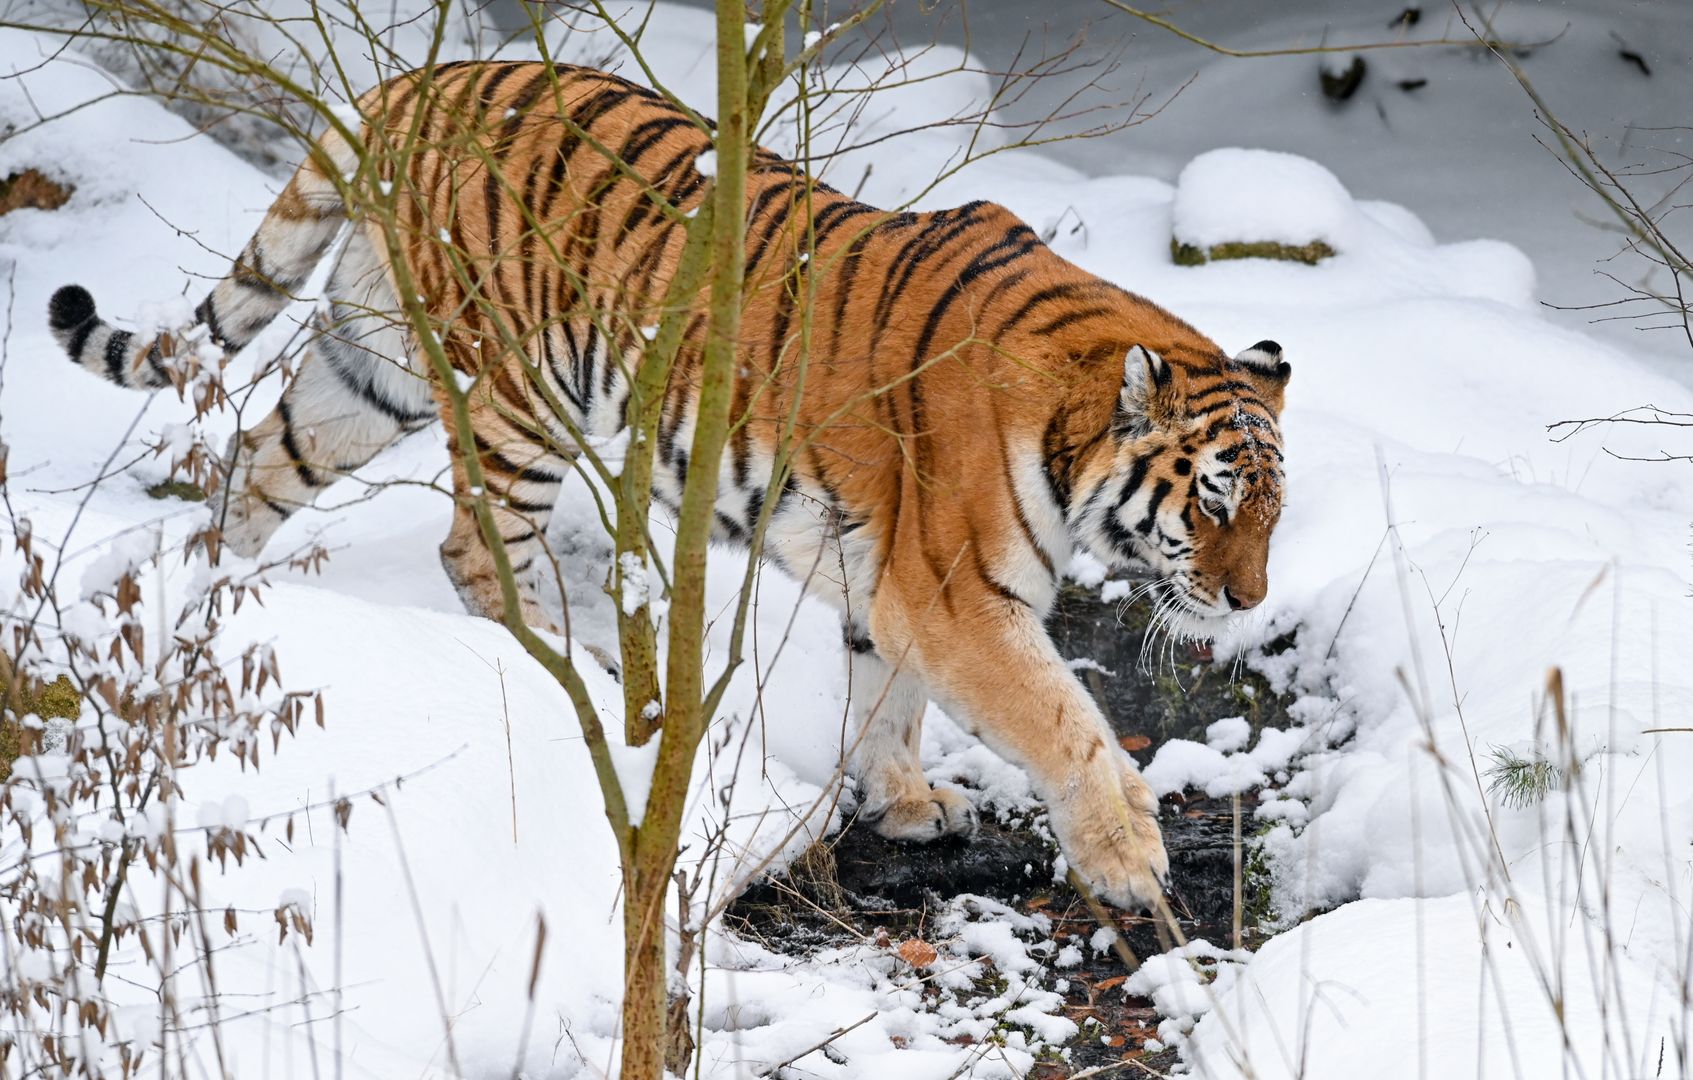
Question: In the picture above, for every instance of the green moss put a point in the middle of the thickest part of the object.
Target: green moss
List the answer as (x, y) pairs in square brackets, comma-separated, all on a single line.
[(1186, 254), (11, 745), (1257, 915), (177, 489), (57, 699), (1192, 255)]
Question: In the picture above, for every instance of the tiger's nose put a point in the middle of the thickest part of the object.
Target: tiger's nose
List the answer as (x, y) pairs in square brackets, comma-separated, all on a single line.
[(1240, 598)]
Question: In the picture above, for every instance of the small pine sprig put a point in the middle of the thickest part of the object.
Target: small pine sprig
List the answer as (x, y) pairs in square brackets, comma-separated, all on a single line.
[(1520, 781)]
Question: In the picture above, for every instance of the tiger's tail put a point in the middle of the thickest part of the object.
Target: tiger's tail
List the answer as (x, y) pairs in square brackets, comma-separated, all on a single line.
[(297, 231)]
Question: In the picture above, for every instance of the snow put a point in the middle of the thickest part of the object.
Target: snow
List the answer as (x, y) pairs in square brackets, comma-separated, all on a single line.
[(1438, 554), (1185, 983), (1228, 734), (1180, 764), (1469, 987)]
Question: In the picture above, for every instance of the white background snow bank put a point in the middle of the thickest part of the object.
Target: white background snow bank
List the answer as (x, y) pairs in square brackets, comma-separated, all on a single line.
[(1448, 987)]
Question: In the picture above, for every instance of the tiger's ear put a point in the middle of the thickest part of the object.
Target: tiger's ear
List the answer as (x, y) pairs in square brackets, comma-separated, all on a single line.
[(1145, 399), (1264, 361)]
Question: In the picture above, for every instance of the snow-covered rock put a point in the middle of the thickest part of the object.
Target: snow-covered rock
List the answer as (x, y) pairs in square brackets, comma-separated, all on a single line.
[(1248, 196)]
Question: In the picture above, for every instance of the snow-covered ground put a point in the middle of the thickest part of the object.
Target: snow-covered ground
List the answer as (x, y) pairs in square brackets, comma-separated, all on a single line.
[(1438, 554)]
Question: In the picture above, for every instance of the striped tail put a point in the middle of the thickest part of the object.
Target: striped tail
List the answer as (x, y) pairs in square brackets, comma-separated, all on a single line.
[(293, 238)]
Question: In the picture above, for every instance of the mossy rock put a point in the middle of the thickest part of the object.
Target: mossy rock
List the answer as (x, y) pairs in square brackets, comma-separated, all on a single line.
[(57, 699), (1193, 255), (177, 489)]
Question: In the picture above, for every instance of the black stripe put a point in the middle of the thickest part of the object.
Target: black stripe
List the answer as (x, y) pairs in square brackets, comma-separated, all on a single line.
[(1017, 242), (643, 203), (79, 337), (942, 229), (1023, 523), (1052, 450), (755, 253), (608, 374), (648, 134), (276, 507), (156, 363), (1243, 418), (524, 473), (733, 530), (986, 575), (588, 112), (306, 475), (1003, 285), (534, 266), (1159, 491), (858, 642), (833, 216), (584, 368), (851, 262), (1195, 395), (116, 346), (1137, 474), (207, 313), (1071, 318), (1226, 403), (494, 82), (1046, 296), (524, 506), (914, 386), (988, 259), (519, 104), (360, 383), (677, 169), (560, 376)]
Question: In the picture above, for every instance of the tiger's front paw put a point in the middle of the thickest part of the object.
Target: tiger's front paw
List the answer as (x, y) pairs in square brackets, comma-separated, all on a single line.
[(942, 812), (1108, 826)]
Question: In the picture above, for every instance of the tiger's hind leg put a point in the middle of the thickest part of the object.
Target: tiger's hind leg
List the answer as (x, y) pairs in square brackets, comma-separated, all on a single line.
[(352, 397), (886, 759), (522, 472)]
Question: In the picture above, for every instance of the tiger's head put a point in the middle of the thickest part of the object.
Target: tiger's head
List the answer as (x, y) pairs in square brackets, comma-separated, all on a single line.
[(1194, 483)]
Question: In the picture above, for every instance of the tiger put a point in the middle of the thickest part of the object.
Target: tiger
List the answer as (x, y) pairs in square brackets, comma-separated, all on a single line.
[(975, 410)]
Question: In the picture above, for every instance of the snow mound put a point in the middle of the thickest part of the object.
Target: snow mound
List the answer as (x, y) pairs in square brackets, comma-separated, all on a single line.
[(1232, 194), (1458, 986)]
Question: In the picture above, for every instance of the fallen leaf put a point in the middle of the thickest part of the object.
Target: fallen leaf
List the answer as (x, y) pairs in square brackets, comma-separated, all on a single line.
[(917, 952)]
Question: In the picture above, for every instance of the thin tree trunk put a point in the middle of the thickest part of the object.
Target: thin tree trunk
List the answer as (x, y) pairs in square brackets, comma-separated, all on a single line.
[(645, 1004), (655, 840)]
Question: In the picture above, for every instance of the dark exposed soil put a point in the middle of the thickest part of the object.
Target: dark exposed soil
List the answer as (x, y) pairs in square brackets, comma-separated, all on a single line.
[(857, 884)]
